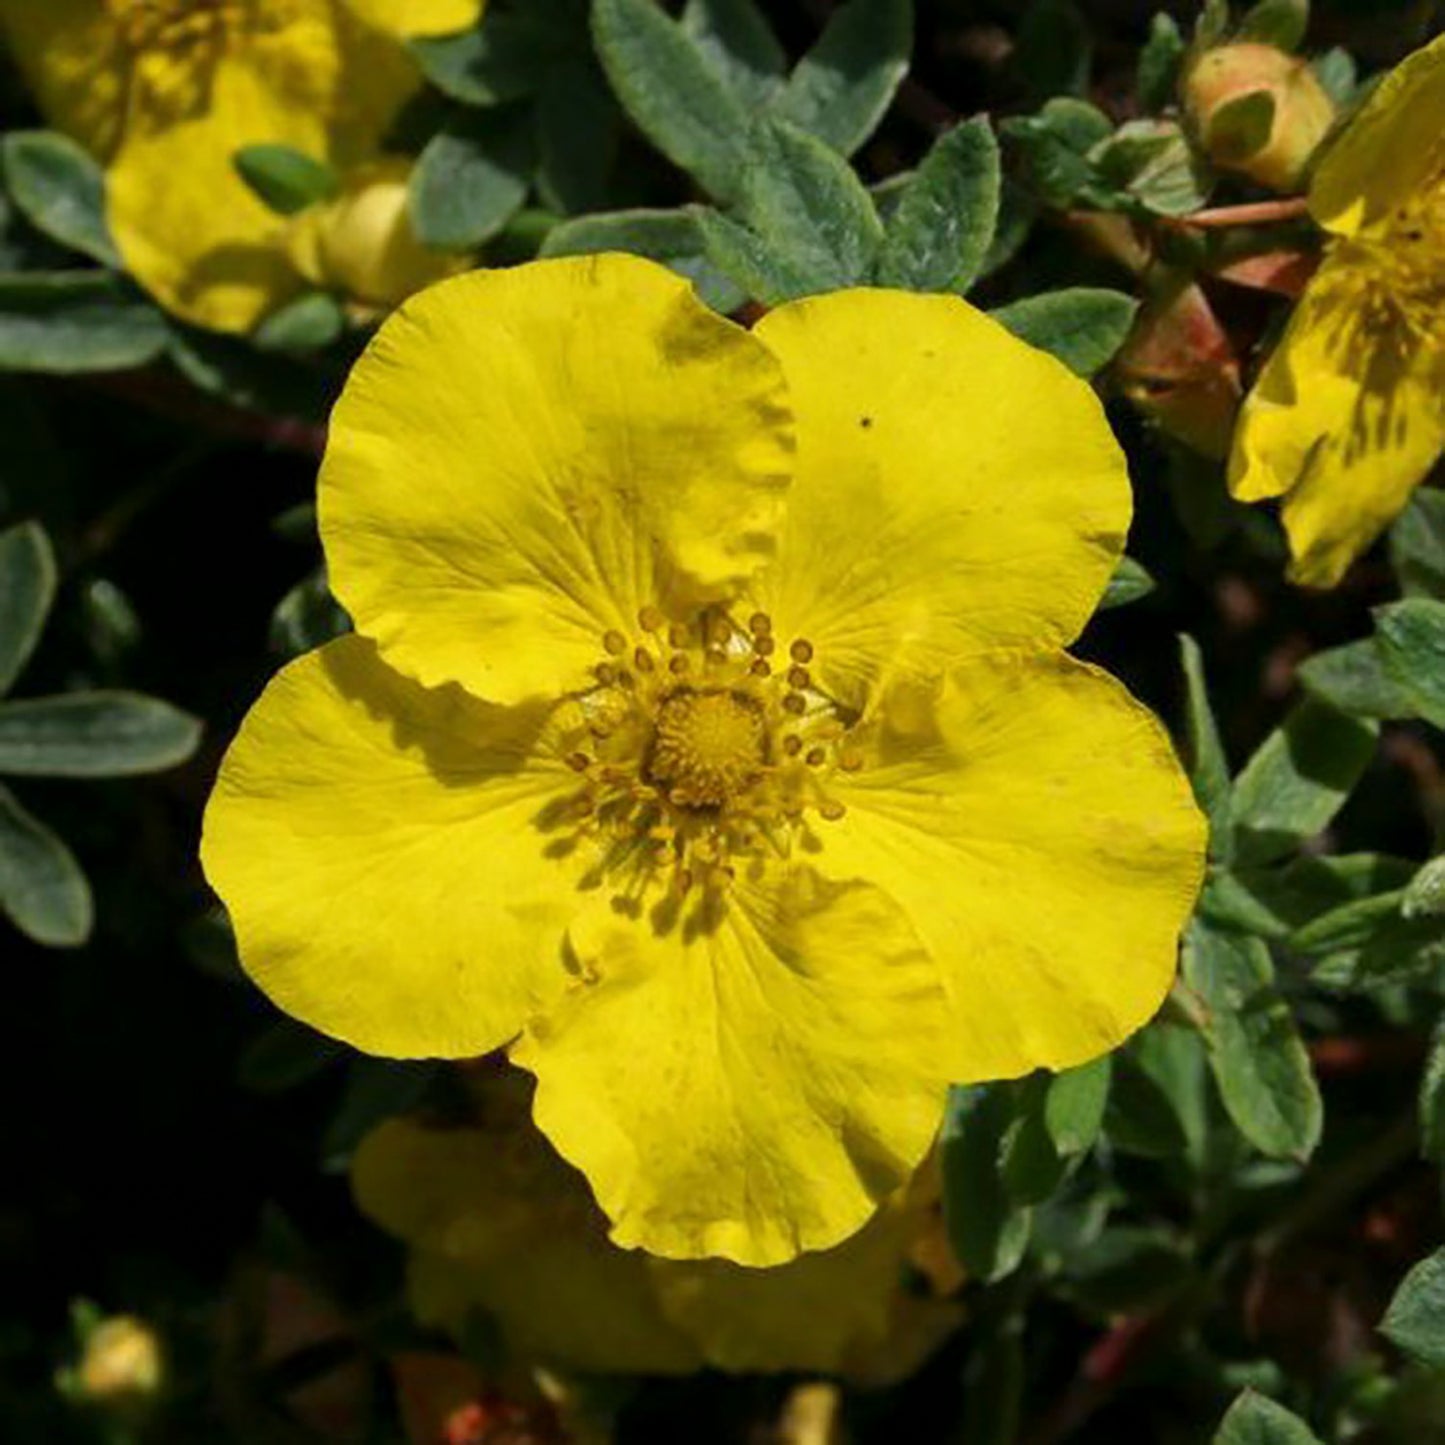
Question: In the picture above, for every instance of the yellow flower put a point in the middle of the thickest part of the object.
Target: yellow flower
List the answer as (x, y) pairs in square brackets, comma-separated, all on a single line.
[(496, 1221), (1347, 417), (361, 243), (165, 92), (707, 739)]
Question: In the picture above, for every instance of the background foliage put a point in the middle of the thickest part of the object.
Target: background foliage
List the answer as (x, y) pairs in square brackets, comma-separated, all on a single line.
[(1245, 1199)]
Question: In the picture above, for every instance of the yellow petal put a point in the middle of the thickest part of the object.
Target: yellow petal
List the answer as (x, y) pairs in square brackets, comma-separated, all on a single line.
[(1345, 418), (408, 18), (520, 456), (498, 1222), (746, 1086), (70, 56), (208, 249), (1380, 161), (362, 243), (1033, 823), (384, 855), (955, 490), (845, 1310)]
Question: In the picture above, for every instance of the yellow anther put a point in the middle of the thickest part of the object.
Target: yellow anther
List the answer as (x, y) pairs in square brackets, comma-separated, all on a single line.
[(759, 667), (615, 643), (850, 760), (792, 745), (677, 665), (677, 635), (578, 762), (801, 651), (795, 703), (832, 810), (605, 673), (643, 660), (650, 618), (764, 643), (798, 677), (815, 757)]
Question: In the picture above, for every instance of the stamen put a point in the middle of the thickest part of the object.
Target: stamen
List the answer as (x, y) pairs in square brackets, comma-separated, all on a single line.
[(801, 651)]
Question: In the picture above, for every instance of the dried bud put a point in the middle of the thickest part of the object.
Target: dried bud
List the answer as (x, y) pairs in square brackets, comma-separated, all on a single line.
[(1258, 111), (361, 244), (1179, 368)]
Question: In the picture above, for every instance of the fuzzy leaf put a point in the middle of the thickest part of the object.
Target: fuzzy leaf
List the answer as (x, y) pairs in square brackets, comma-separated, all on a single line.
[(1255, 1419), (1412, 643), (987, 1232), (286, 180), (42, 890), (1083, 326), (1415, 1320), (94, 735), (1208, 767), (1353, 679), (27, 589), (471, 179), (68, 322), (61, 189), (739, 45)]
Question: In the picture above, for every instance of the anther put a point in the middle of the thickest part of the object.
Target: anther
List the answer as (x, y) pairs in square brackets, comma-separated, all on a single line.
[(759, 624), (850, 760), (605, 673), (650, 618), (764, 643), (759, 667), (801, 651), (643, 660), (831, 810), (795, 703), (677, 635), (578, 762), (798, 677), (792, 745), (614, 642), (678, 665), (815, 757), (718, 631)]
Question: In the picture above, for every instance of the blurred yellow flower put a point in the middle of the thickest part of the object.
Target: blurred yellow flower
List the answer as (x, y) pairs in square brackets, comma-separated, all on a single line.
[(1348, 414), (165, 92), (361, 244), (496, 1221), (707, 739)]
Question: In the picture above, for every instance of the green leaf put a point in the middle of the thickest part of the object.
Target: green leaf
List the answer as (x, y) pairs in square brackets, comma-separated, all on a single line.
[(1259, 1061), (1054, 49), (739, 46), (1382, 949), (1030, 1165), (578, 128), (1140, 1115), (1425, 896), (1411, 636), (1298, 780), (27, 588), (941, 229), (284, 1055), (1273, 902), (306, 617), (1075, 1104), (1127, 1269), (287, 180), (61, 190), (1417, 544), (1056, 144), (1241, 127), (1353, 679), (1128, 583), (1281, 23), (42, 890), (1256, 1420), (506, 59), (309, 323), (988, 1234), (1415, 1320), (1432, 1099), (472, 178), (1083, 325), (1208, 767), (841, 88), (1153, 163), (1159, 63), (667, 86), (810, 206), (675, 238), (76, 321), (1212, 25), (750, 263), (94, 735), (1338, 75), (1349, 926)]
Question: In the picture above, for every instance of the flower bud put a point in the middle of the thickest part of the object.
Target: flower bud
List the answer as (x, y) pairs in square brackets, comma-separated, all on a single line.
[(1258, 111), (361, 244), (121, 1367)]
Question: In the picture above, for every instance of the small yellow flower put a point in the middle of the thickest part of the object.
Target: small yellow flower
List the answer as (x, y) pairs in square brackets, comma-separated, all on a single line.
[(495, 1220), (361, 244), (707, 739), (165, 92), (1347, 415), (121, 1366)]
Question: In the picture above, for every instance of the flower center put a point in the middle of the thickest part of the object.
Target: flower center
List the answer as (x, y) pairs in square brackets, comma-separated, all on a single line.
[(697, 754), (147, 25), (708, 747)]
